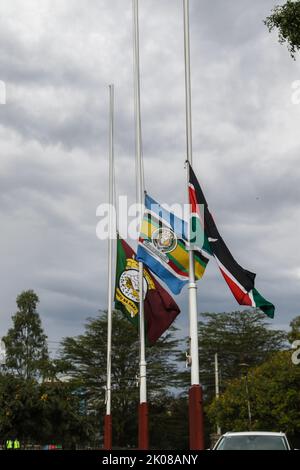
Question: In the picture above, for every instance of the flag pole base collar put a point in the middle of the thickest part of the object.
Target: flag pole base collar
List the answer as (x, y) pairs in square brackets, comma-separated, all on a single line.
[(196, 420), (107, 433), (143, 427)]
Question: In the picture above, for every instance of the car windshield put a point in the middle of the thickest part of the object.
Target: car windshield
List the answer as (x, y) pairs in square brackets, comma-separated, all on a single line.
[(252, 442)]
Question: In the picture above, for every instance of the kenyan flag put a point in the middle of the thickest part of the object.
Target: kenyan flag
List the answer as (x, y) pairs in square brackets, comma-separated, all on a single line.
[(159, 307), (239, 280)]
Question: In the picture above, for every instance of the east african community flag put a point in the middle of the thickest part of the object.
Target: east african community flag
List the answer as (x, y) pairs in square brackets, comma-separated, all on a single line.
[(239, 280), (159, 307), (163, 247)]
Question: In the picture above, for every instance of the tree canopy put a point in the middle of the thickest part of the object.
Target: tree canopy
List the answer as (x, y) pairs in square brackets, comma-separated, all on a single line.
[(237, 337), (42, 413), (25, 343), (85, 364), (35, 406), (274, 397), (286, 18), (43, 400), (294, 333)]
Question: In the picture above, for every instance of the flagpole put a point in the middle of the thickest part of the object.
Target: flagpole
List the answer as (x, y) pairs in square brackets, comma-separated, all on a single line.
[(196, 424), (143, 441), (108, 416)]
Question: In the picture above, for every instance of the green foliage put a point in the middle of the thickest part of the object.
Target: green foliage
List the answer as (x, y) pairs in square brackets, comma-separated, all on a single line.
[(69, 406), (25, 343), (41, 413), (32, 409), (18, 406), (64, 414), (274, 396), (85, 363), (237, 337), (294, 333), (287, 19), (169, 427)]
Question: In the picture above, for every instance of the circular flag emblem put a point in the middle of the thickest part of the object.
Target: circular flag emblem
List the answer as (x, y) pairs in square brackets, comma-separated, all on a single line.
[(164, 239), (129, 285)]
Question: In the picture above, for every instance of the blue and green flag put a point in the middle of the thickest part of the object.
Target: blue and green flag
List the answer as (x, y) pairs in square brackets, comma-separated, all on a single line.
[(164, 247)]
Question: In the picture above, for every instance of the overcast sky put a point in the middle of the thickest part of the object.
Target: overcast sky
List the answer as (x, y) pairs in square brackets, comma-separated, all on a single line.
[(57, 58)]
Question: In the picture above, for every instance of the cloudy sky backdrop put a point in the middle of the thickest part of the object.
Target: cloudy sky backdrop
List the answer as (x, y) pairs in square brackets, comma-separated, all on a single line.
[(57, 58)]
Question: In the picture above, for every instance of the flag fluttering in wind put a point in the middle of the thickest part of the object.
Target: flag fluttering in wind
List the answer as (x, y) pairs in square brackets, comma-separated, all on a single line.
[(163, 247), (239, 280), (159, 307)]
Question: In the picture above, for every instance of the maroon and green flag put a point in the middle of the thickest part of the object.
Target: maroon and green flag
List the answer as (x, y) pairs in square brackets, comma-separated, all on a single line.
[(159, 307), (239, 280)]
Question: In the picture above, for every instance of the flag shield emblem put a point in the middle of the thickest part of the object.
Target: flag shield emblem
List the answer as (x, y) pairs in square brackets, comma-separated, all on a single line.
[(129, 285), (164, 240), (127, 291)]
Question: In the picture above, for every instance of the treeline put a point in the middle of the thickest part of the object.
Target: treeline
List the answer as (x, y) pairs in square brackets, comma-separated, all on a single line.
[(62, 400)]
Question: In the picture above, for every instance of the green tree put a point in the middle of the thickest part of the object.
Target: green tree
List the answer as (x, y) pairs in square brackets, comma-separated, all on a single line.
[(25, 343), (294, 333), (85, 362), (169, 426), (41, 413), (286, 18), (19, 408), (64, 415), (274, 396), (237, 338)]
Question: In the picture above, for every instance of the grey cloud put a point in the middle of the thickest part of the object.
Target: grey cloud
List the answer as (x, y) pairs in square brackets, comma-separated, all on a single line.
[(58, 60)]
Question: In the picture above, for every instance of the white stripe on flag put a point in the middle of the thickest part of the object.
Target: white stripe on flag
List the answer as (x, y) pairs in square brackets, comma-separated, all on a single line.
[(222, 267), (164, 265)]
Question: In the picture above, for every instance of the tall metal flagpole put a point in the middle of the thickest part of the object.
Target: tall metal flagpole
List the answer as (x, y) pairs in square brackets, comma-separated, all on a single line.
[(196, 424), (108, 417), (143, 443)]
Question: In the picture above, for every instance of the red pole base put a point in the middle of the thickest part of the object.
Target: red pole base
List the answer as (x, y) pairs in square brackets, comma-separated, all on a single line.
[(143, 427), (196, 420), (107, 433)]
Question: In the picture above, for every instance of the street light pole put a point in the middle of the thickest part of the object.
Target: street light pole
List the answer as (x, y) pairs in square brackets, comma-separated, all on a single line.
[(248, 403), (217, 387), (247, 395)]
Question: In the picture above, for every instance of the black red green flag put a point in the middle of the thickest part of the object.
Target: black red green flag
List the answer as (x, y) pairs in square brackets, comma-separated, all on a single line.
[(239, 280), (159, 307)]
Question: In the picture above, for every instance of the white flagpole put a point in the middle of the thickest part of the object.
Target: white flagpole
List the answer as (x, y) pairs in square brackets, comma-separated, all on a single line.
[(143, 406), (195, 395), (108, 417)]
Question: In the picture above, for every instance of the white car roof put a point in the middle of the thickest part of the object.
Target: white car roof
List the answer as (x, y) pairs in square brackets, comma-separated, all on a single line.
[(254, 433)]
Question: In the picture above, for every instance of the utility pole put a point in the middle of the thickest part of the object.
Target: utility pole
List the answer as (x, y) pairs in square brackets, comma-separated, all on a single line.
[(217, 386), (247, 395)]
